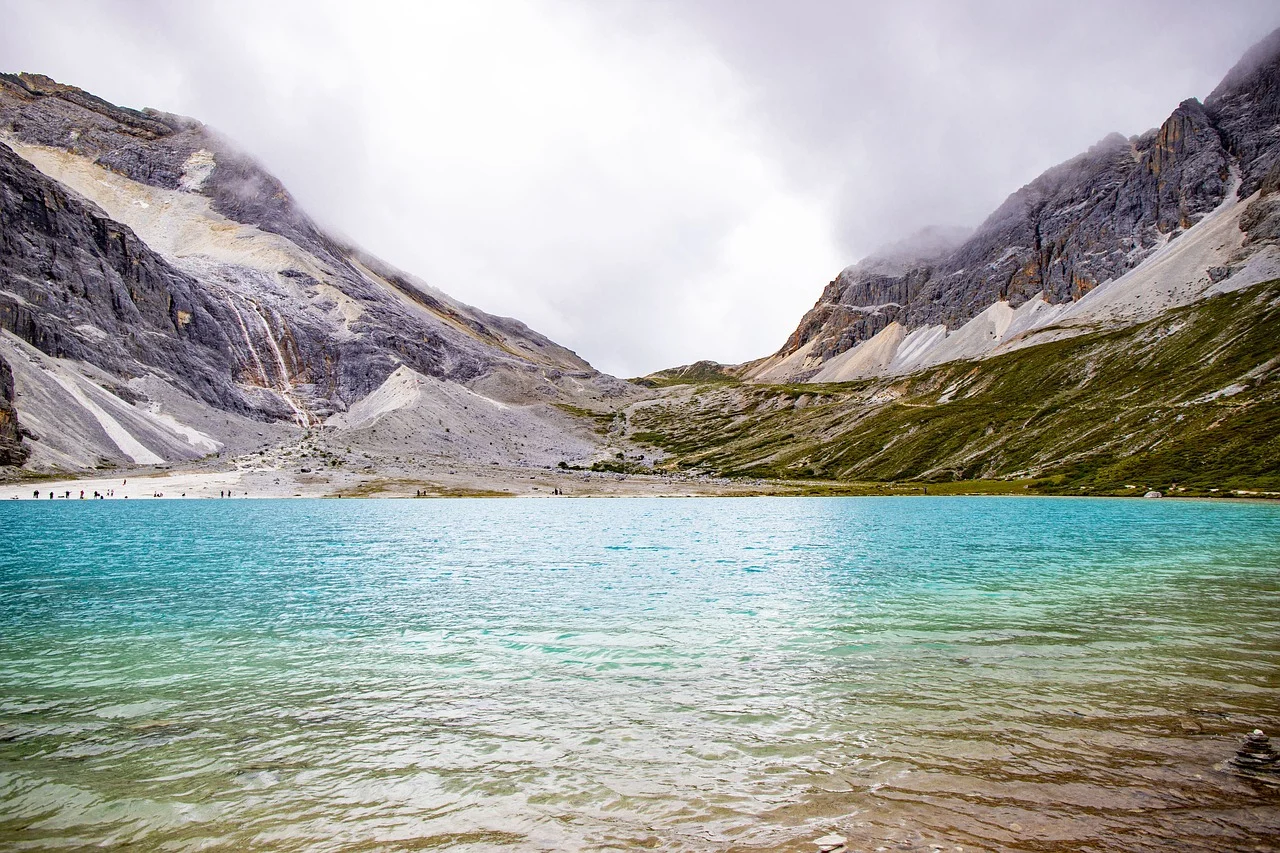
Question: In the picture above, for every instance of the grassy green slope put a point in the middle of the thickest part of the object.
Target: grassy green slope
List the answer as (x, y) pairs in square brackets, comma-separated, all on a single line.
[(1189, 398)]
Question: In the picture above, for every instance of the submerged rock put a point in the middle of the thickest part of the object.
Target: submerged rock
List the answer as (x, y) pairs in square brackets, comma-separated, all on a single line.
[(830, 843)]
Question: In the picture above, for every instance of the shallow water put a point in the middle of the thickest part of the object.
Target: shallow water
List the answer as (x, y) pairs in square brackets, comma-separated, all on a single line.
[(708, 674)]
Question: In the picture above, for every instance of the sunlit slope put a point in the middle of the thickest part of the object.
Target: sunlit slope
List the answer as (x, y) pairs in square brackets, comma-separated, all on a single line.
[(1190, 398)]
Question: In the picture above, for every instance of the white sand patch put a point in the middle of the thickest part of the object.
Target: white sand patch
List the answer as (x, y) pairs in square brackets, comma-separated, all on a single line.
[(402, 389), (917, 345), (870, 358), (137, 487), (122, 438), (784, 368), (977, 336), (194, 437)]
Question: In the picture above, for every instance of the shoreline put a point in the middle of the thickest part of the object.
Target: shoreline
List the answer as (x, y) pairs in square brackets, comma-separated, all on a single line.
[(265, 484)]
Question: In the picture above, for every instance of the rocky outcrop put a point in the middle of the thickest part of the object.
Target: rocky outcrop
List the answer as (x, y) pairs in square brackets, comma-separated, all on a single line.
[(12, 451), (1081, 223)]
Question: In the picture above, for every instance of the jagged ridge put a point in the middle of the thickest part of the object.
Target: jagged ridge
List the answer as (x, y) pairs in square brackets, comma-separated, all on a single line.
[(1080, 224)]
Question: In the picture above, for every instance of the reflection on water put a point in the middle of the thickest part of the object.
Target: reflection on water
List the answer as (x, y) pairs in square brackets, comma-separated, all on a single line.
[(1029, 674)]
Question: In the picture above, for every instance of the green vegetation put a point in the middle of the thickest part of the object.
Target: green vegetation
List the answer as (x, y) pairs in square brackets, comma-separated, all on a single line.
[(603, 420), (401, 487), (1186, 402)]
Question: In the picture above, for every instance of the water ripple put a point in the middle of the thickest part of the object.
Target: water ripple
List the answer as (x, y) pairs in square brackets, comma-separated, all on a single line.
[(703, 674)]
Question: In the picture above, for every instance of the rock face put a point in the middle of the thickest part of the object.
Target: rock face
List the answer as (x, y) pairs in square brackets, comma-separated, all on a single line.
[(76, 285), (156, 263), (1082, 223), (11, 450)]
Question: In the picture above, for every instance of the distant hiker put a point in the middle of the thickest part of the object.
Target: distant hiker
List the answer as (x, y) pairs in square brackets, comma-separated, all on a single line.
[(36, 493), (51, 496), (219, 493), (82, 494), (67, 496)]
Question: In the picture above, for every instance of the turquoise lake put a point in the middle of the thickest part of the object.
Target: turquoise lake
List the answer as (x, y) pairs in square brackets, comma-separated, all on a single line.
[(672, 674)]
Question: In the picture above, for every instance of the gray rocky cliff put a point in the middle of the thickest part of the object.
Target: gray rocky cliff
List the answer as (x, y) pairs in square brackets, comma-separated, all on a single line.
[(1081, 223), (12, 451), (77, 285), (273, 319)]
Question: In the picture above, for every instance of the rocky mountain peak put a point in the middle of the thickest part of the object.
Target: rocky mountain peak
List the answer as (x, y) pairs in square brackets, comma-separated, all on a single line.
[(1245, 108), (927, 244), (1081, 223), (1259, 64)]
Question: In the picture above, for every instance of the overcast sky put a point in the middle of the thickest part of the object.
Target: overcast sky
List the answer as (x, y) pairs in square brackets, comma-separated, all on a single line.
[(650, 182)]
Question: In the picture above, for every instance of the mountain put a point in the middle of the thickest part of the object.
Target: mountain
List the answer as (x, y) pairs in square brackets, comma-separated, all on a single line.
[(164, 299), (1113, 326), (1187, 402), (1129, 228)]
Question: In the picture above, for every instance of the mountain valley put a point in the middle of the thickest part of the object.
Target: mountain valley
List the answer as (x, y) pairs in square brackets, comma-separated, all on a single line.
[(168, 312)]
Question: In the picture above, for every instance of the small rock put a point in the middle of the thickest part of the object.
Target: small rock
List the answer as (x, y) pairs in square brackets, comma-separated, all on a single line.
[(1257, 754), (1191, 727), (830, 843), (1153, 494)]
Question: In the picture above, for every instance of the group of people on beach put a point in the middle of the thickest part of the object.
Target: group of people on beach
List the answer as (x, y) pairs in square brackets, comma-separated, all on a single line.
[(67, 494), (108, 493)]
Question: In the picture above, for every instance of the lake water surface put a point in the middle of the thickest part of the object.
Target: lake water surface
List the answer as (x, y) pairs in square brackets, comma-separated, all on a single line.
[(704, 674)]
